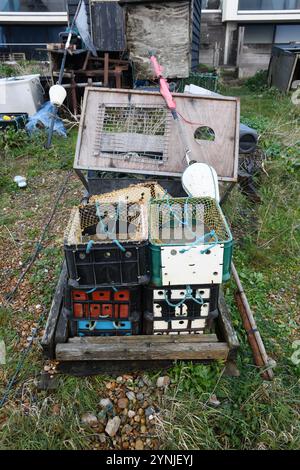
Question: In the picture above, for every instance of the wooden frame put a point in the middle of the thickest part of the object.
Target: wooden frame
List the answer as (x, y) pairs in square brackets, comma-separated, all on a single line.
[(94, 355), (222, 114)]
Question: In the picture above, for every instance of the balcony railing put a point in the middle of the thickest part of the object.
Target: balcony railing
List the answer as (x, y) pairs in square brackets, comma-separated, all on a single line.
[(268, 5), (32, 6)]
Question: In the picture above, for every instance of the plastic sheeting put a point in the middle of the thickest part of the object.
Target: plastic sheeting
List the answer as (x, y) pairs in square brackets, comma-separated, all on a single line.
[(42, 120)]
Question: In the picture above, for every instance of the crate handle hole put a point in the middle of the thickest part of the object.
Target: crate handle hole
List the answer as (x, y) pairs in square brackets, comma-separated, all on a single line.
[(216, 273)]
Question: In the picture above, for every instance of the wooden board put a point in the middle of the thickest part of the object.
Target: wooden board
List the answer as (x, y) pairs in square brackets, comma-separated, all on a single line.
[(222, 114), (108, 26), (164, 28), (48, 340), (141, 348)]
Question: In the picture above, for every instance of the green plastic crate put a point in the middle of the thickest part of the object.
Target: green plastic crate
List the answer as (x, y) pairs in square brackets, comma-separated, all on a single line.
[(220, 225)]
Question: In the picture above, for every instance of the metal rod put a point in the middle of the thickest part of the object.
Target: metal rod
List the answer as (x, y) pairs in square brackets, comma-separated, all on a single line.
[(259, 352), (61, 76)]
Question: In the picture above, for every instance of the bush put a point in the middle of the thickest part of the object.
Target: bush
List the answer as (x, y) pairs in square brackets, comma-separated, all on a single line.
[(259, 82)]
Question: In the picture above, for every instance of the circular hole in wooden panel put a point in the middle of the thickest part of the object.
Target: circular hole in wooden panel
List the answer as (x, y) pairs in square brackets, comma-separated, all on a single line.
[(82, 256), (173, 252), (215, 273), (208, 252), (204, 133), (160, 292)]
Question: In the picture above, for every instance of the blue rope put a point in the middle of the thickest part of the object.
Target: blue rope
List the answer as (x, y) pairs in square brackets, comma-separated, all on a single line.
[(119, 245), (212, 245), (199, 240), (188, 296), (89, 247), (91, 291)]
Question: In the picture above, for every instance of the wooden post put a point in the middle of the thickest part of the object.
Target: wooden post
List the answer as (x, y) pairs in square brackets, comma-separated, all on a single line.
[(106, 68)]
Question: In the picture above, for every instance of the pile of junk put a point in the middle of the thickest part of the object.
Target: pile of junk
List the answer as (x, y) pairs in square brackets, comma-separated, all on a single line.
[(142, 259), (148, 248)]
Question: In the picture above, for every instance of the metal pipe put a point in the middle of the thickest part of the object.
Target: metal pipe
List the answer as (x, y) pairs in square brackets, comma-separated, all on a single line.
[(259, 352)]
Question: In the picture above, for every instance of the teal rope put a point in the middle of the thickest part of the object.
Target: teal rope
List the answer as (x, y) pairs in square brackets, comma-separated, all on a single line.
[(119, 245), (91, 291), (188, 296), (199, 240), (89, 247), (215, 243)]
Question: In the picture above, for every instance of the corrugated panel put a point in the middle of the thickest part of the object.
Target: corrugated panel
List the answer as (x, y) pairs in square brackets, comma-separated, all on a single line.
[(72, 7), (108, 26)]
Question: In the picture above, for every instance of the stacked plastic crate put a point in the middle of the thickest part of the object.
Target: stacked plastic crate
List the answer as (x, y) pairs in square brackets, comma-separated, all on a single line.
[(191, 250), (140, 262), (108, 260)]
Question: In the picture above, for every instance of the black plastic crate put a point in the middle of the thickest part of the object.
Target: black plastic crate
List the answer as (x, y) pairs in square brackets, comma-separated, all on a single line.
[(180, 309), (107, 264), (17, 121), (101, 311), (99, 185)]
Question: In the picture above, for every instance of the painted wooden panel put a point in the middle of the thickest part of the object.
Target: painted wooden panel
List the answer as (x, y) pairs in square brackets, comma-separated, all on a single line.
[(221, 114), (108, 26)]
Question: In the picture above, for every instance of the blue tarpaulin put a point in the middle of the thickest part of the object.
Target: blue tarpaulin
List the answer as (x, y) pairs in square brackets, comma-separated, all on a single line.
[(42, 119)]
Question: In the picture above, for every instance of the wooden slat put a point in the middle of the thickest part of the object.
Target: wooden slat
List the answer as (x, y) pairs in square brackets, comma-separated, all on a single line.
[(147, 350), (225, 325), (222, 114), (48, 340), (156, 339)]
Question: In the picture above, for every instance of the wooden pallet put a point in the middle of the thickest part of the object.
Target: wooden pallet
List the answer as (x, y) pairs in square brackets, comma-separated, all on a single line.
[(114, 355)]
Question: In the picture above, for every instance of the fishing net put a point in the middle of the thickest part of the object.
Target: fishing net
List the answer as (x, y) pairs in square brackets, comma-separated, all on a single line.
[(187, 221), (104, 222), (141, 193)]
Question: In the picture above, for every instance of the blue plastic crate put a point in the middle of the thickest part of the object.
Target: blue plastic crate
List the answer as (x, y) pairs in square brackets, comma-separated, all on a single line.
[(104, 328)]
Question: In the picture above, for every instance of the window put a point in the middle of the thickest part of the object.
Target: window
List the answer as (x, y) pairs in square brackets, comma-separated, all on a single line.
[(32, 6), (269, 5), (211, 4), (287, 33), (259, 34)]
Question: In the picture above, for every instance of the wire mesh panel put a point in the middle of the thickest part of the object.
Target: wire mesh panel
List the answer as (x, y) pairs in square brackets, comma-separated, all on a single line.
[(186, 221), (103, 222), (141, 193), (132, 132)]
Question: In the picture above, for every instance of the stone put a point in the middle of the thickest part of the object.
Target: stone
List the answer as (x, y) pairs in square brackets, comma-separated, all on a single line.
[(137, 418), (147, 380), (213, 400), (141, 383), (139, 445), (119, 379), (88, 419), (102, 438), (140, 396), (106, 403), (130, 396), (140, 411), (143, 429), (112, 426), (123, 403), (127, 429), (163, 382), (102, 416), (131, 414), (125, 445), (149, 411)]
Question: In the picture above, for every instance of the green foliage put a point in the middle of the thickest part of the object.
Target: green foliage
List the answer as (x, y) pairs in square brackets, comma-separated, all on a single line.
[(259, 82)]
